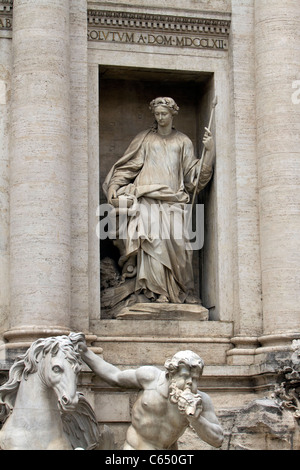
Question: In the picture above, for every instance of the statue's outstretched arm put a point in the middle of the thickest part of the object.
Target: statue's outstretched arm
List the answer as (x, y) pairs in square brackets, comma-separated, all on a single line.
[(129, 378)]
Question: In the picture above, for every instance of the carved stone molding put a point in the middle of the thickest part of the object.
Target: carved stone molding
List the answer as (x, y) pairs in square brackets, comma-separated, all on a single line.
[(6, 7), (158, 30)]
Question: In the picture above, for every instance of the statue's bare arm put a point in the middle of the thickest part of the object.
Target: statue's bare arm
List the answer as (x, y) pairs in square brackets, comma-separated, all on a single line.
[(206, 424), (129, 378)]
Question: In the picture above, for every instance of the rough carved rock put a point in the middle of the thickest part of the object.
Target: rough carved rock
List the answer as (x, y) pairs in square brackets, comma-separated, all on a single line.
[(261, 425), (271, 423)]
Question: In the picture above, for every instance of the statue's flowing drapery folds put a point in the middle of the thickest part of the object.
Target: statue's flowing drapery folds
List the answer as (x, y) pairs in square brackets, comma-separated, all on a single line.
[(159, 172)]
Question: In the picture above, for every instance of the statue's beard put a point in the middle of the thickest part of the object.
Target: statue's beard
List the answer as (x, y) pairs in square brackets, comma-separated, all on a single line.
[(176, 392), (187, 401)]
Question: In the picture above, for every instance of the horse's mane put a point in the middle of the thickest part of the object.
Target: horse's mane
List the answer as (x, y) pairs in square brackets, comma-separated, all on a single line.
[(27, 364)]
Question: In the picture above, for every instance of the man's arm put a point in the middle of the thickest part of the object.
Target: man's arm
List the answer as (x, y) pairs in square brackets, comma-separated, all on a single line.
[(130, 378), (206, 424)]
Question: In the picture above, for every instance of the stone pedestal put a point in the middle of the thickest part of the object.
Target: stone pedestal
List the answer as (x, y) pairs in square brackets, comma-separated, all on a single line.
[(156, 311), (149, 342)]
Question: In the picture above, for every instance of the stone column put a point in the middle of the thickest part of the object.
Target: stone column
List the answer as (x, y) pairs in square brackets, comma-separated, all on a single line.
[(40, 171), (277, 36), (5, 80)]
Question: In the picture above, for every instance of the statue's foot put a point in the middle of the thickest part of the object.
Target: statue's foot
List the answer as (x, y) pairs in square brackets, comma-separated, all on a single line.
[(162, 299), (193, 299)]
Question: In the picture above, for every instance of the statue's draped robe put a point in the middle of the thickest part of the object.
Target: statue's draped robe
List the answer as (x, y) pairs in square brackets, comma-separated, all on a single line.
[(158, 172)]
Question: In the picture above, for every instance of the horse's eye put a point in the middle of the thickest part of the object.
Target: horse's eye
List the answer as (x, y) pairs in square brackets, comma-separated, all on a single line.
[(57, 369)]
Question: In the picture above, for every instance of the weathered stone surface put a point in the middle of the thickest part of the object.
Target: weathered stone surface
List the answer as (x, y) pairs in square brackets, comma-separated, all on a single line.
[(152, 311), (261, 425)]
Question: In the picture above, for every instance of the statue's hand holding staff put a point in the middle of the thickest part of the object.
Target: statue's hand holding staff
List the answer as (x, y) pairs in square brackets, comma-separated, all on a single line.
[(208, 146), (208, 140)]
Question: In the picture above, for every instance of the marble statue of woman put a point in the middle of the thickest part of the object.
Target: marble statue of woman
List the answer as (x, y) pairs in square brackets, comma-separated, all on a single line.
[(159, 171)]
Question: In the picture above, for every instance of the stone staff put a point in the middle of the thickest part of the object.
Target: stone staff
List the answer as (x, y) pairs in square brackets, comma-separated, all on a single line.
[(214, 104)]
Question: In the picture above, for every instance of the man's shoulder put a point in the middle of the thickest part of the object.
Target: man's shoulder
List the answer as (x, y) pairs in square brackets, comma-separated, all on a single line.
[(147, 374), (206, 400)]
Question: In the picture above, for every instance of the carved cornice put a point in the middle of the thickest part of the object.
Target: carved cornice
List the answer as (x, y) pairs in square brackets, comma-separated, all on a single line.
[(157, 29)]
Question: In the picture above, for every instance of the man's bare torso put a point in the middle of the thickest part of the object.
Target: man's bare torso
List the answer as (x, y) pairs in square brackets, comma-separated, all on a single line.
[(156, 422)]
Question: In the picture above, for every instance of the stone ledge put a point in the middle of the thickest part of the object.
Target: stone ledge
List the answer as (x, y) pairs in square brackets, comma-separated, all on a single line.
[(157, 311), (161, 328), (153, 341)]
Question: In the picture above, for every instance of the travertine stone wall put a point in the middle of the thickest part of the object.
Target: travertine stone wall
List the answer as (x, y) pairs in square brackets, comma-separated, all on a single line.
[(277, 45), (40, 166)]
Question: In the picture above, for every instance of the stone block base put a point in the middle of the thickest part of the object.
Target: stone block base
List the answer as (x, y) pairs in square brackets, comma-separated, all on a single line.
[(148, 342), (156, 311)]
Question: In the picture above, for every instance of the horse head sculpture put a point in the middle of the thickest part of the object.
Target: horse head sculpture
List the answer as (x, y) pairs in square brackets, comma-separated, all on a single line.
[(40, 405)]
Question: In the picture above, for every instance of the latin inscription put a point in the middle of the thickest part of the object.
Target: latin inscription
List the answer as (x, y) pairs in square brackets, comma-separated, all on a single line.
[(158, 30), (5, 23), (199, 42)]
